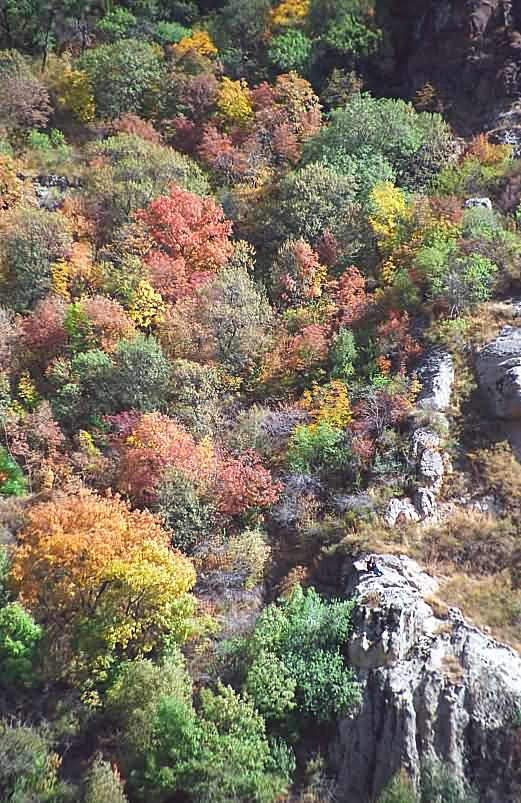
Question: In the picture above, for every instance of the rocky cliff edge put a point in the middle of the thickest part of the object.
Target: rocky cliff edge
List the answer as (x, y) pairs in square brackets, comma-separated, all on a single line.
[(434, 688)]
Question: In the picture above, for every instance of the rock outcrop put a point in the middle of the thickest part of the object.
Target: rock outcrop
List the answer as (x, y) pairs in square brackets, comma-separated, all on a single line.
[(498, 369), (468, 51), (436, 373), (431, 466), (434, 688)]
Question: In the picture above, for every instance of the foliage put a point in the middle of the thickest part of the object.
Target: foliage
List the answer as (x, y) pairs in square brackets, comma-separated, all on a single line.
[(191, 239), (306, 635), (290, 51), (409, 147), (104, 784), (221, 755), (399, 790), (32, 240), (12, 479), (28, 765), (233, 101), (131, 172), (321, 448), (19, 637), (117, 24), (24, 104), (102, 577), (199, 42), (123, 76)]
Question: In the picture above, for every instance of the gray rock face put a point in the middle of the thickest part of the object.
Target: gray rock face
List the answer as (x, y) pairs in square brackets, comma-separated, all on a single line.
[(436, 374), (425, 503), (498, 368), (433, 688), (400, 510), (431, 469), (423, 439)]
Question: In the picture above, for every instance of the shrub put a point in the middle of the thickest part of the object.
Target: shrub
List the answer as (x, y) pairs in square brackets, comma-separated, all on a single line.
[(19, 637), (133, 172), (134, 696), (123, 76), (400, 790), (409, 147), (117, 24), (28, 765), (306, 635), (188, 516), (24, 104), (322, 449), (290, 51), (103, 784), (12, 479), (32, 240), (221, 755)]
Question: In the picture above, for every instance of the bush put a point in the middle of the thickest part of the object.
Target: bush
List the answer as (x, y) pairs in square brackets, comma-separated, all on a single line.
[(103, 784), (400, 790), (124, 76), (306, 635), (408, 147), (321, 449), (12, 479), (117, 24), (19, 637), (28, 766), (290, 51), (32, 240), (189, 518), (133, 172), (221, 755)]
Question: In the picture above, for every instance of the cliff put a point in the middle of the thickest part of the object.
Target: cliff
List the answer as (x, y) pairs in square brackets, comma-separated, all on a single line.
[(434, 688), (469, 51)]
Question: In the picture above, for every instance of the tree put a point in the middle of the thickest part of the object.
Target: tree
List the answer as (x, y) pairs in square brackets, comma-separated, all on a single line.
[(191, 239), (32, 240), (101, 578), (385, 136), (306, 634), (19, 637), (130, 172), (235, 318), (12, 478), (123, 76)]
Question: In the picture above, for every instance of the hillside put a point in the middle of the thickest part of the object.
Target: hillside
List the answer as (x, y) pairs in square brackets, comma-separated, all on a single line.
[(260, 401)]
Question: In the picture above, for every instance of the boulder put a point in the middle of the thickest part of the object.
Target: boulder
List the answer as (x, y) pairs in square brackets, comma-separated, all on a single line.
[(478, 203), (423, 439), (433, 688), (425, 503), (498, 369), (431, 469), (399, 511), (436, 373)]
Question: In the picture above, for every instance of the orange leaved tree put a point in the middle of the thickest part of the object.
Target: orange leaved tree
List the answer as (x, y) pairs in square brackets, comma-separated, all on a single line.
[(102, 578)]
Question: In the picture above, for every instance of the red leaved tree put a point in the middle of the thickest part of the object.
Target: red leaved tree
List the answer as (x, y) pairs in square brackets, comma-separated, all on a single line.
[(191, 240)]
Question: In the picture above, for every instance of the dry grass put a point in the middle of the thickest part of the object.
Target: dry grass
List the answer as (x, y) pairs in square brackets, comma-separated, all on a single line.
[(487, 321), (498, 469), (489, 603), (440, 608), (372, 600)]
